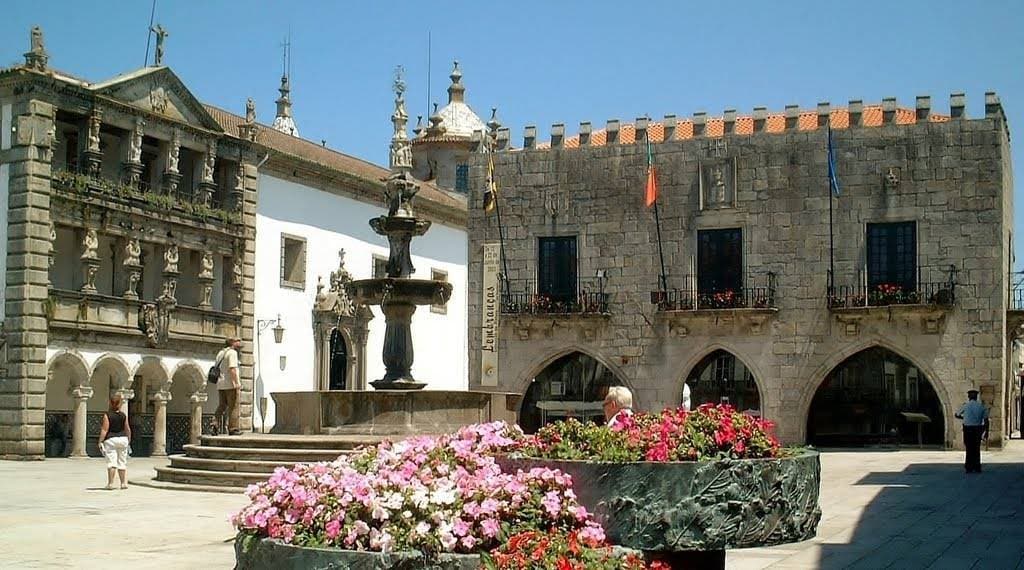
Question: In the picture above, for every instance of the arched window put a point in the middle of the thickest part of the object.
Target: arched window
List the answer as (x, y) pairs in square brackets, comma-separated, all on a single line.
[(339, 361), (721, 378), (572, 386), (875, 397)]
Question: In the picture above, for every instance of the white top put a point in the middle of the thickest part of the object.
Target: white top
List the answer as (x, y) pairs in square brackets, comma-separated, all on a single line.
[(973, 412), (228, 359), (686, 397)]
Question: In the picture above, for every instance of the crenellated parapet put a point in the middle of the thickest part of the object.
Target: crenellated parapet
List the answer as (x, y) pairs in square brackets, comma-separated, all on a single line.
[(793, 118)]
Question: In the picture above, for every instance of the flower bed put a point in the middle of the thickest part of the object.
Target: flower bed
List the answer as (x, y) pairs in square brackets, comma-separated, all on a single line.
[(424, 496)]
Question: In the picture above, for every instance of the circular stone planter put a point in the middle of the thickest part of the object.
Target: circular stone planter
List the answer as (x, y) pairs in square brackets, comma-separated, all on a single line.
[(271, 554), (701, 506)]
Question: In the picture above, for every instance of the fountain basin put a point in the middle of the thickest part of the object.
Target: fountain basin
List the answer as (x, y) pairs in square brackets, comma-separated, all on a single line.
[(390, 290)]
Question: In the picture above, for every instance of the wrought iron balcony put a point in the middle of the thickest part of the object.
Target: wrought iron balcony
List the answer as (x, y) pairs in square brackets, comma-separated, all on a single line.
[(696, 300), (1016, 297), (520, 297), (940, 294)]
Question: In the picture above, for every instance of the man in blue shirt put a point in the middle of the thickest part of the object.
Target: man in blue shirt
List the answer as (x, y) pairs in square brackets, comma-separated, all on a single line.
[(975, 417)]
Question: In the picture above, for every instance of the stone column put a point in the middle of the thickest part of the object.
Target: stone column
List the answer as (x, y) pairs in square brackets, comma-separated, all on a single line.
[(79, 426), (196, 427), (26, 165), (160, 400), (126, 395)]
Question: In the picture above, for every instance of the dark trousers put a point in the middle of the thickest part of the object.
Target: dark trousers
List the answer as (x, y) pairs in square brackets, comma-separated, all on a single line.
[(972, 442)]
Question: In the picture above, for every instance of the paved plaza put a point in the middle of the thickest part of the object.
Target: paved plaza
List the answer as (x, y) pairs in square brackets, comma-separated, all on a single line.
[(906, 509)]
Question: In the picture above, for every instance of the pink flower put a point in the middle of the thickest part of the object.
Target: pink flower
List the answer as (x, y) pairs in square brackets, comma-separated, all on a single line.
[(332, 528), (490, 527)]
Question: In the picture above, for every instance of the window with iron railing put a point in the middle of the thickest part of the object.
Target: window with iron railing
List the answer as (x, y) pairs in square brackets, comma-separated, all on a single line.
[(556, 268), (892, 255), (760, 294), (930, 285), (523, 297)]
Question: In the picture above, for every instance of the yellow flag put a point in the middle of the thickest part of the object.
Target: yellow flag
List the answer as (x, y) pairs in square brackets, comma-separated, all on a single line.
[(491, 193)]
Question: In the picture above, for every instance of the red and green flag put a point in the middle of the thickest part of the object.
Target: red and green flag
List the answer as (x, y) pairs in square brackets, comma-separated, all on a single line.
[(651, 190)]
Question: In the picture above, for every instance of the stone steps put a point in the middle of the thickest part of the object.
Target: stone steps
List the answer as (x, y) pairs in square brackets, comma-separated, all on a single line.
[(230, 463)]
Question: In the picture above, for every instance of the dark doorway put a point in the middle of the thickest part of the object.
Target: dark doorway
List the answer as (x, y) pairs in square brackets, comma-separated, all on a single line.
[(721, 378), (556, 268), (872, 398), (572, 386), (339, 361)]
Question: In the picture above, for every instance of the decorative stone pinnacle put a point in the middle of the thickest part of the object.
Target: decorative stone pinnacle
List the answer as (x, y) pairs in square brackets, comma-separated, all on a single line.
[(418, 129), (284, 121), (436, 127), (456, 91), (36, 57), (401, 152)]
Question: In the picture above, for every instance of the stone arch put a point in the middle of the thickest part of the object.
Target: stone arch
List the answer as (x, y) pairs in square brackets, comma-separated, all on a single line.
[(537, 365), (118, 364), (153, 364), (698, 358), (65, 415), (532, 417), (188, 378), (826, 367), (74, 359)]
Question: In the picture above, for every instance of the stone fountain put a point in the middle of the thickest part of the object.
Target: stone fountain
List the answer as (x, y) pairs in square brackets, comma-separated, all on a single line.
[(399, 294)]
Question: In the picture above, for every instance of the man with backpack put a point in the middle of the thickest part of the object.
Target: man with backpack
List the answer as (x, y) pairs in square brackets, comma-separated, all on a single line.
[(229, 385)]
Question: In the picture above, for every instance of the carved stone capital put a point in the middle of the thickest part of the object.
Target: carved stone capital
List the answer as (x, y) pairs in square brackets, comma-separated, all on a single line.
[(198, 398), (160, 397), (82, 392)]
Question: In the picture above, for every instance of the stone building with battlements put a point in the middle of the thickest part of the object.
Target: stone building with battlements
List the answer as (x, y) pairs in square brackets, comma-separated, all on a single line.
[(880, 351)]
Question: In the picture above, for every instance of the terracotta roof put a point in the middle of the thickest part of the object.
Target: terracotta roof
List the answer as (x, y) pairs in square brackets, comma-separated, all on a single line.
[(331, 159), (871, 116)]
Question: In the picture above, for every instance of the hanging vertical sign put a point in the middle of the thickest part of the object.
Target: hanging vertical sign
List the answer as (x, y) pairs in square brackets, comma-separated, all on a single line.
[(489, 316)]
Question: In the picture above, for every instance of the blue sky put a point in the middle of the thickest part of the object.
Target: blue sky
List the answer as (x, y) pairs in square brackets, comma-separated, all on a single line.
[(543, 62)]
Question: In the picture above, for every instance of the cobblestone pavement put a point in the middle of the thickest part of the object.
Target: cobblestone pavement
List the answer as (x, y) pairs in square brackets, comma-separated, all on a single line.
[(905, 509)]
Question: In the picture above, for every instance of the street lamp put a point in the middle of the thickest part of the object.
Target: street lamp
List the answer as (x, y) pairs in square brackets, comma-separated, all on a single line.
[(261, 325)]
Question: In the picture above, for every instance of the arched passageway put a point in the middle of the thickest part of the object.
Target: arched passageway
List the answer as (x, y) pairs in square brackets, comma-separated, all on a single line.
[(875, 397), (148, 415), (573, 385), (721, 378), (67, 400)]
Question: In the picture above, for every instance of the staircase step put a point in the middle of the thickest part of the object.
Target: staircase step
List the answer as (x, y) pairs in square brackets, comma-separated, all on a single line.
[(232, 465), (275, 441), (239, 479), (263, 454)]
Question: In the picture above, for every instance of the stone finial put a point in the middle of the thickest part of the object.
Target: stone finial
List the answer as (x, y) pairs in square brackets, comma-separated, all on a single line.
[(418, 129), (729, 121), (530, 137), (400, 159), (585, 130), (824, 114), (993, 107), (856, 110), (36, 57), (557, 135), (957, 104), (641, 125), (456, 91), (700, 119), (669, 123), (611, 130), (760, 117), (493, 125), (436, 127), (888, 110), (504, 136), (923, 110), (792, 116)]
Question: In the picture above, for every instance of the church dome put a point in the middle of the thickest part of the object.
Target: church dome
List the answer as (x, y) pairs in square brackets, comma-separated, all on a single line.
[(457, 119)]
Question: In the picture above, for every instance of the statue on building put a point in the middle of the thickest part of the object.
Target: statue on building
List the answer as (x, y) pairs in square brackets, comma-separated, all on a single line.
[(717, 184), (250, 111), (206, 266), (132, 253), (174, 154), (209, 162), (161, 37), (94, 132), (90, 243), (171, 259), (36, 57), (135, 143), (37, 40)]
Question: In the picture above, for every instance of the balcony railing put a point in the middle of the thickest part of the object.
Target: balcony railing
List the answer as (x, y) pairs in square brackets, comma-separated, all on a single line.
[(1016, 294), (696, 300), (942, 294), (521, 297)]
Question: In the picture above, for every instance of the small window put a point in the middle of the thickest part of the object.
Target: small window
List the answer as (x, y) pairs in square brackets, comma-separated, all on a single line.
[(462, 178), (556, 268), (380, 267), (293, 262), (438, 275)]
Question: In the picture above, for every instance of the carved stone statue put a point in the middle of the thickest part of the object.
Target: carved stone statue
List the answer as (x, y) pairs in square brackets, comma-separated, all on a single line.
[(37, 40), (173, 155), (171, 259), (135, 144), (717, 184), (90, 243), (36, 58), (132, 253), (206, 266), (236, 272), (892, 178), (250, 111), (210, 162), (170, 289), (161, 37), (148, 322), (399, 193), (94, 133)]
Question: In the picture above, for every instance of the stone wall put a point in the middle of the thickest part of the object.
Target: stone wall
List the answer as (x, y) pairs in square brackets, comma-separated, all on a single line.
[(951, 177)]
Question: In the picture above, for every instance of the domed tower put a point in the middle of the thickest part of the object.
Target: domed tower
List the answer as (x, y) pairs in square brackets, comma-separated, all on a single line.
[(441, 151)]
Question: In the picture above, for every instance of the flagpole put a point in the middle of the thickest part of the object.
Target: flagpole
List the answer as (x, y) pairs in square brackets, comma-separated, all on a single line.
[(831, 233), (657, 218), (497, 214)]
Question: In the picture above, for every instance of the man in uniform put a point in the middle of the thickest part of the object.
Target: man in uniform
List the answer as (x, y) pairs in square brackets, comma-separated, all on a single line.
[(975, 417)]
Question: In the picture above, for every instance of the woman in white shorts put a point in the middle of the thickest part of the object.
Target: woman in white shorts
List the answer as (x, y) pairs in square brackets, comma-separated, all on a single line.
[(115, 433)]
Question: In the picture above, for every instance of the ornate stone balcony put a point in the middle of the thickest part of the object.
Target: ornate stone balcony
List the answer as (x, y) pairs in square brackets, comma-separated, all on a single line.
[(747, 309), (139, 198), (930, 302), (153, 323), (529, 312)]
